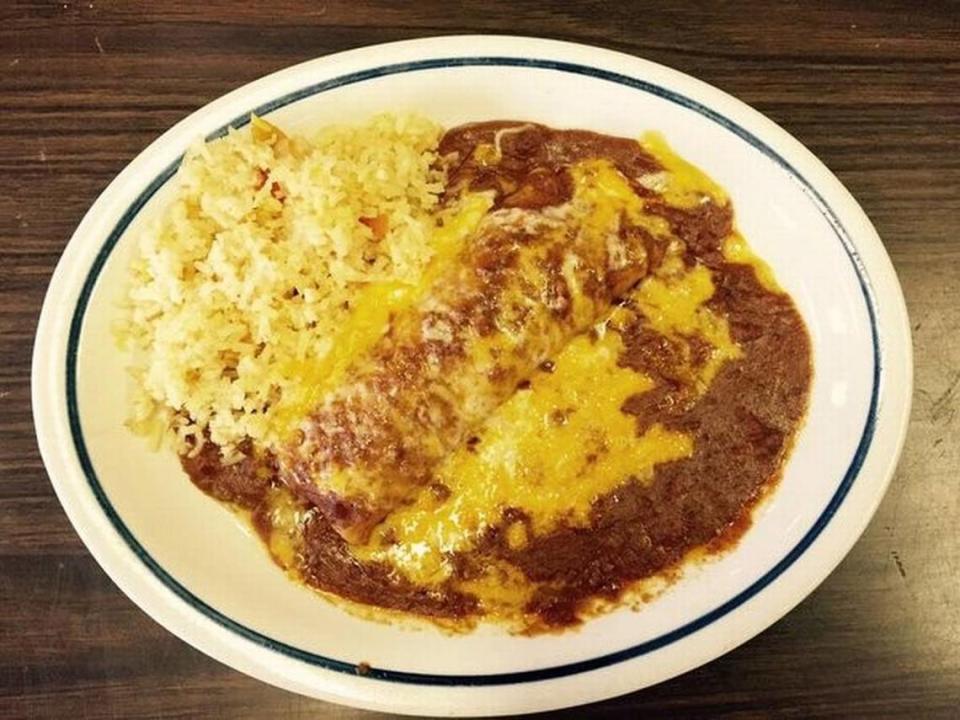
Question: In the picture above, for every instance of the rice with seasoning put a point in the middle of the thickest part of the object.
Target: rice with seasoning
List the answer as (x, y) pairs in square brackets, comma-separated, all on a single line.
[(253, 264)]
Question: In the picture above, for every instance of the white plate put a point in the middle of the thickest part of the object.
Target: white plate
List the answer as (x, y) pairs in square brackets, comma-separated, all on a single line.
[(194, 569)]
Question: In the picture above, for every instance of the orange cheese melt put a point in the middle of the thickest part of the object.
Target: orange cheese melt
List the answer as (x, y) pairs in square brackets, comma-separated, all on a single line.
[(372, 308), (550, 450)]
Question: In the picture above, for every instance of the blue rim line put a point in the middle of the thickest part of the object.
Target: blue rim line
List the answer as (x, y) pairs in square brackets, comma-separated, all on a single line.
[(184, 594)]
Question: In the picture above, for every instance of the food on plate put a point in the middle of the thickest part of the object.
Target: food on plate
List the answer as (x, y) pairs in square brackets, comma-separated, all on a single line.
[(502, 370)]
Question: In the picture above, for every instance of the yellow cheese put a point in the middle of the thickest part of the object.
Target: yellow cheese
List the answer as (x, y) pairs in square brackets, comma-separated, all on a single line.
[(680, 184), (605, 193), (684, 185), (501, 589), (371, 311), (556, 447), (551, 450), (674, 306), (736, 250)]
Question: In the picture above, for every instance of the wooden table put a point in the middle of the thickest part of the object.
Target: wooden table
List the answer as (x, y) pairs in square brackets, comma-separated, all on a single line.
[(872, 88)]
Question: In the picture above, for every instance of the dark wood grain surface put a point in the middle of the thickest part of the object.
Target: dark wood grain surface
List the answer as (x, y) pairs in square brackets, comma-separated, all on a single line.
[(873, 88)]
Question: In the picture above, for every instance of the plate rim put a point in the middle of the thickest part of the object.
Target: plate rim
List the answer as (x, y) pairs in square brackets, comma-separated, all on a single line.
[(521, 58)]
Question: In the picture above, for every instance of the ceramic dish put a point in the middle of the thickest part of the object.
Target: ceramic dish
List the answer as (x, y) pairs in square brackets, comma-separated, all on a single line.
[(201, 574)]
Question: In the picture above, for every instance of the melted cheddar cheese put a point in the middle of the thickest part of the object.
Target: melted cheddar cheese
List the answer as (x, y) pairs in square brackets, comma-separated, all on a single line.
[(684, 185), (674, 305), (550, 450), (371, 312), (736, 250), (680, 184), (556, 447)]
